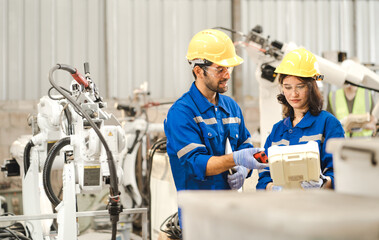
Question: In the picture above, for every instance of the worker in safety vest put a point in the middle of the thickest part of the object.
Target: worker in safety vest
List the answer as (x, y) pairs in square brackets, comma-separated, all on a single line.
[(353, 101)]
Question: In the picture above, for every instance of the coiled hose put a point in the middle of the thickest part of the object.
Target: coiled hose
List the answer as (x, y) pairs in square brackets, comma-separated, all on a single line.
[(47, 169), (159, 144), (27, 149)]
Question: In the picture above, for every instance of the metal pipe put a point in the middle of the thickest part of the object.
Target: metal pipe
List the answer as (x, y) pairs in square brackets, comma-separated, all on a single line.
[(78, 214)]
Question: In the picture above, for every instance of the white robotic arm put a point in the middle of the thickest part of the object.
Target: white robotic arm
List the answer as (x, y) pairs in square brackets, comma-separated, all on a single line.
[(268, 55)]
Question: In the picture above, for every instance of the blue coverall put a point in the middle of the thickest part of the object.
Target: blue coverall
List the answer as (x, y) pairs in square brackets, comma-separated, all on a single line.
[(319, 128), (197, 130)]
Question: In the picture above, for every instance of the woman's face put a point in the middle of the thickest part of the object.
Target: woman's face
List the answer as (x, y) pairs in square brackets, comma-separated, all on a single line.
[(296, 93)]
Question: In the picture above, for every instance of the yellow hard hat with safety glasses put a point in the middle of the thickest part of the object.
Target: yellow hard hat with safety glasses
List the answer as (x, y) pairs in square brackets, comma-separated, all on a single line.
[(300, 63), (215, 46)]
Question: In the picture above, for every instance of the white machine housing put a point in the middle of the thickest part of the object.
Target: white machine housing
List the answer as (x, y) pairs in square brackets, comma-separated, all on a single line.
[(356, 167), (290, 165)]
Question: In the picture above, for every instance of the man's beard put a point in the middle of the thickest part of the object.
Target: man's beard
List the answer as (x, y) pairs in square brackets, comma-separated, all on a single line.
[(217, 88)]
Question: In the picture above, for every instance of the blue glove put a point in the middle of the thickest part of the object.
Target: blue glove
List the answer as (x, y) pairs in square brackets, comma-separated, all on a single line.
[(314, 184), (236, 180), (245, 158)]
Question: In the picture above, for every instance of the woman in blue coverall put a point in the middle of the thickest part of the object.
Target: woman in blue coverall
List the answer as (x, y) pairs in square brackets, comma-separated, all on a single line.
[(304, 118)]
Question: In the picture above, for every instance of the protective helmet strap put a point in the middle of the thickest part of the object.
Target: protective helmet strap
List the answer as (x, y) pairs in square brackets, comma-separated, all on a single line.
[(319, 77), (199, 61)]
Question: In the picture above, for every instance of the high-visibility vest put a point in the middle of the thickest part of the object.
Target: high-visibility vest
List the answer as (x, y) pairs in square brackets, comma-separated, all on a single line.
[(362, 104)]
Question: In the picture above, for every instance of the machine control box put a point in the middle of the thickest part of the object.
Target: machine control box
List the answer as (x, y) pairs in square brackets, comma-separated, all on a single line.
[(290, 165)]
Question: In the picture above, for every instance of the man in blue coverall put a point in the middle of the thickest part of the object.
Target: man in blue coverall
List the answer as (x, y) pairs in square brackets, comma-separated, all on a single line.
[(199, 123)]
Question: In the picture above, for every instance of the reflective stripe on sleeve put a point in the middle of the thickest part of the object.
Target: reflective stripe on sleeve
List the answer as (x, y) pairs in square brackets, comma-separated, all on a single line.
[(231, 120), (188, 149), (312, 138), (208, 121), (333, 101), (283, 142), (367, 100)]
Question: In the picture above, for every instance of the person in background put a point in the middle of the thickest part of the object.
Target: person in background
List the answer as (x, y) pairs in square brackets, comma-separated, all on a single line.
[(200, 122), (356, 101), (304, 118)]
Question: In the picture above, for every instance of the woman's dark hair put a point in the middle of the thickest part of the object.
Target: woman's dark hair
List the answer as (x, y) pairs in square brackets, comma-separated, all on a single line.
[(315, 99), (202, 66)]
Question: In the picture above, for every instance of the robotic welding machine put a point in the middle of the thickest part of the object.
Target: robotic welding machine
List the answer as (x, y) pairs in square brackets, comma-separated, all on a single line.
[(71, 132)]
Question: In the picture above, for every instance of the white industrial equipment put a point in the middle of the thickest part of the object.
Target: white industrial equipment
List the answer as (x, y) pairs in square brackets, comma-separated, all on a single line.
[(290, 165), (356, 167), (137, 129), (147, 179), (285, 215), (355, 122), (71, 131)]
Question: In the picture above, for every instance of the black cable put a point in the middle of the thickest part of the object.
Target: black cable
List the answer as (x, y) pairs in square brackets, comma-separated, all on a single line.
[(173, 229), (47, 169), (5, 232), (357, 85), (114, 207), (152, 150), (137, 138), (69, 120), (27, 149), (112, 168), (9, 234), (53, 98), (14, 228)]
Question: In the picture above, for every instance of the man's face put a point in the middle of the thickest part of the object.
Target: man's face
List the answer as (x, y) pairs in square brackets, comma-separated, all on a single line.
[(349, 87), (216, 78)]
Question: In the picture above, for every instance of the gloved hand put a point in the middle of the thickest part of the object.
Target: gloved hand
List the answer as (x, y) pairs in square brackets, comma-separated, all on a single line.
[(276, 188), (236, 179), (244, 157), (314, 184)]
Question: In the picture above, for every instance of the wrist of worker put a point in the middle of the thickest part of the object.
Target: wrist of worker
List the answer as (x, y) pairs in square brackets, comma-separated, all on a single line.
[(328, 183), (269, 186)]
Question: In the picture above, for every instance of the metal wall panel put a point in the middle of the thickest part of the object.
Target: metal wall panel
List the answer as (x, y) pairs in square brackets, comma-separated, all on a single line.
[(128, 42), (319, 26), (147, 41)]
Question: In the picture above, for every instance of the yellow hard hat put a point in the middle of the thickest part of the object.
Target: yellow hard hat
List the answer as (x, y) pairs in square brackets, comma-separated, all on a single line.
[(300, 63), (215, 46)]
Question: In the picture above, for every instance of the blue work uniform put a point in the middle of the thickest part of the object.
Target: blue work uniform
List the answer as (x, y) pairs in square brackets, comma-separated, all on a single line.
[(319, 128), (196, 130)]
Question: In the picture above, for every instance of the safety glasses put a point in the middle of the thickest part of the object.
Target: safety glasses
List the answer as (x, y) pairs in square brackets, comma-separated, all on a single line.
[(219, 71), (297, 88)]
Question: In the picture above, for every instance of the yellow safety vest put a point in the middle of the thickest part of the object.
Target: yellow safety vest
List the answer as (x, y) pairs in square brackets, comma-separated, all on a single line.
[(362, 104)]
